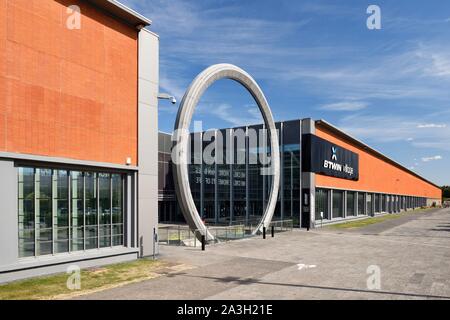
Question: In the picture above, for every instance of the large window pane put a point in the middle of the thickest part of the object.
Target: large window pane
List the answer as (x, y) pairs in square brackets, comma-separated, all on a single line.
[(44, 211), (195, 170), (91, 237), (61, 210), (26, 212), (239, 176), (104, 182), (223, 183), (377, 203), (77, 191), (321, 204), (338, 204), (117, 210), (369, 203), (350, 203), (291, 172), (361, 204)]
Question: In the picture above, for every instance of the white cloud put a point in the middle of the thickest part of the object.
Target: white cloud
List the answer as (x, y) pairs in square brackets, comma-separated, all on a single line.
[(440, 65), (199, 33), (389, 128), (416, 70), (225, 112), (431, 125), (428, 159), (345, 106)]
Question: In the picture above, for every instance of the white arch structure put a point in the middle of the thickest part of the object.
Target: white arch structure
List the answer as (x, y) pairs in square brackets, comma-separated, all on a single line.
[(181, 142)]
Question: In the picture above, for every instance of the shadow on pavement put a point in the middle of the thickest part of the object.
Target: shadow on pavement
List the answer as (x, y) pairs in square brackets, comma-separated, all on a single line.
[(247, 281)]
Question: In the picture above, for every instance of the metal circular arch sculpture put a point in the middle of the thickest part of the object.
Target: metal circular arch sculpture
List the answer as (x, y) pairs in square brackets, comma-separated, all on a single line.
[(181, 141)]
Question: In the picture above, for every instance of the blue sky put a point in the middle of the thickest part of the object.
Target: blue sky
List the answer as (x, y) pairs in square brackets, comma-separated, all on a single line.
[(389, 87)]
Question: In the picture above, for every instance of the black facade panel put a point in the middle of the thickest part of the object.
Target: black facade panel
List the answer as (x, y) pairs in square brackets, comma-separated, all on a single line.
[(323, 157)]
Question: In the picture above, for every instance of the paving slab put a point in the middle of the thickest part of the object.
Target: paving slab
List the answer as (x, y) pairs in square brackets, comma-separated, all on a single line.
[(410, 256)]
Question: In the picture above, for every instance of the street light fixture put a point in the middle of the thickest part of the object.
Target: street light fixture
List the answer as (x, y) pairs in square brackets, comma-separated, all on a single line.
[(166, 96)]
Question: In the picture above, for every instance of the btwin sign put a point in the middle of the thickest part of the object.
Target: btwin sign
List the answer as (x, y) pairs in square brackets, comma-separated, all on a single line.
[(322, 157), (337, 166)]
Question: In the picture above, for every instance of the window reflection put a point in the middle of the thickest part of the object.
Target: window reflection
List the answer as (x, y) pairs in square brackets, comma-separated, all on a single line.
[(77, 230), (104, 183), (44, 211), (117, 210), (350, 203), (26, 212), (61, 205), (321, 204), (61, 211), (91, 213)]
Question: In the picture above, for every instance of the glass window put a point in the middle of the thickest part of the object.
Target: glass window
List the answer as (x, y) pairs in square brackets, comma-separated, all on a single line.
[(338, 204), (44, 212), (321, 204), (223, 182), (104, 185), (77, 231), (291, 164), (361, 204), (91, 236), (239, 177), (350, 203), (61, 210), (255, 179), (26, 212), (117, 210), (369, 203), (195, 169), (377, 203)]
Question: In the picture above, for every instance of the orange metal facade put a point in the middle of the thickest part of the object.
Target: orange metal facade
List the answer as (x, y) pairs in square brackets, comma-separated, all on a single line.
[(67, 93), (375, 174)]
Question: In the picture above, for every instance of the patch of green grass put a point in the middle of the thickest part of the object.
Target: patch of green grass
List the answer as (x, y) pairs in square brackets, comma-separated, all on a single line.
[(93, 279), (372, 220)]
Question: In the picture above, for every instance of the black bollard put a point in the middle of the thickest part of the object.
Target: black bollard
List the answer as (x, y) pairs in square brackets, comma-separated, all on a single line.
[(203, 243), (264, 232), (273, 231)]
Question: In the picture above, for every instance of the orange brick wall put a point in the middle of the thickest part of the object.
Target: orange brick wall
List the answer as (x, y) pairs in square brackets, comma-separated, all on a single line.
[(376, 175), (67, 93)]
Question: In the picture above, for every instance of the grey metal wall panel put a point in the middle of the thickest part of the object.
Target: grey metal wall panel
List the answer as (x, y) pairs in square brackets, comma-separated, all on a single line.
[(148, 140), (308, 182), (8, 214)]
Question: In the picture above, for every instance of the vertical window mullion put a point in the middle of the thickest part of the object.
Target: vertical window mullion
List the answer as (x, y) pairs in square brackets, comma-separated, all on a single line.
[(97, 183), (124, 197), (53, 207), (69, 207), (35, 214), (110, 210), (84, 211)]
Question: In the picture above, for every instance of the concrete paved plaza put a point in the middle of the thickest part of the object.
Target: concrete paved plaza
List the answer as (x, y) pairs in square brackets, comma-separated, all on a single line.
[(412, 253)]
